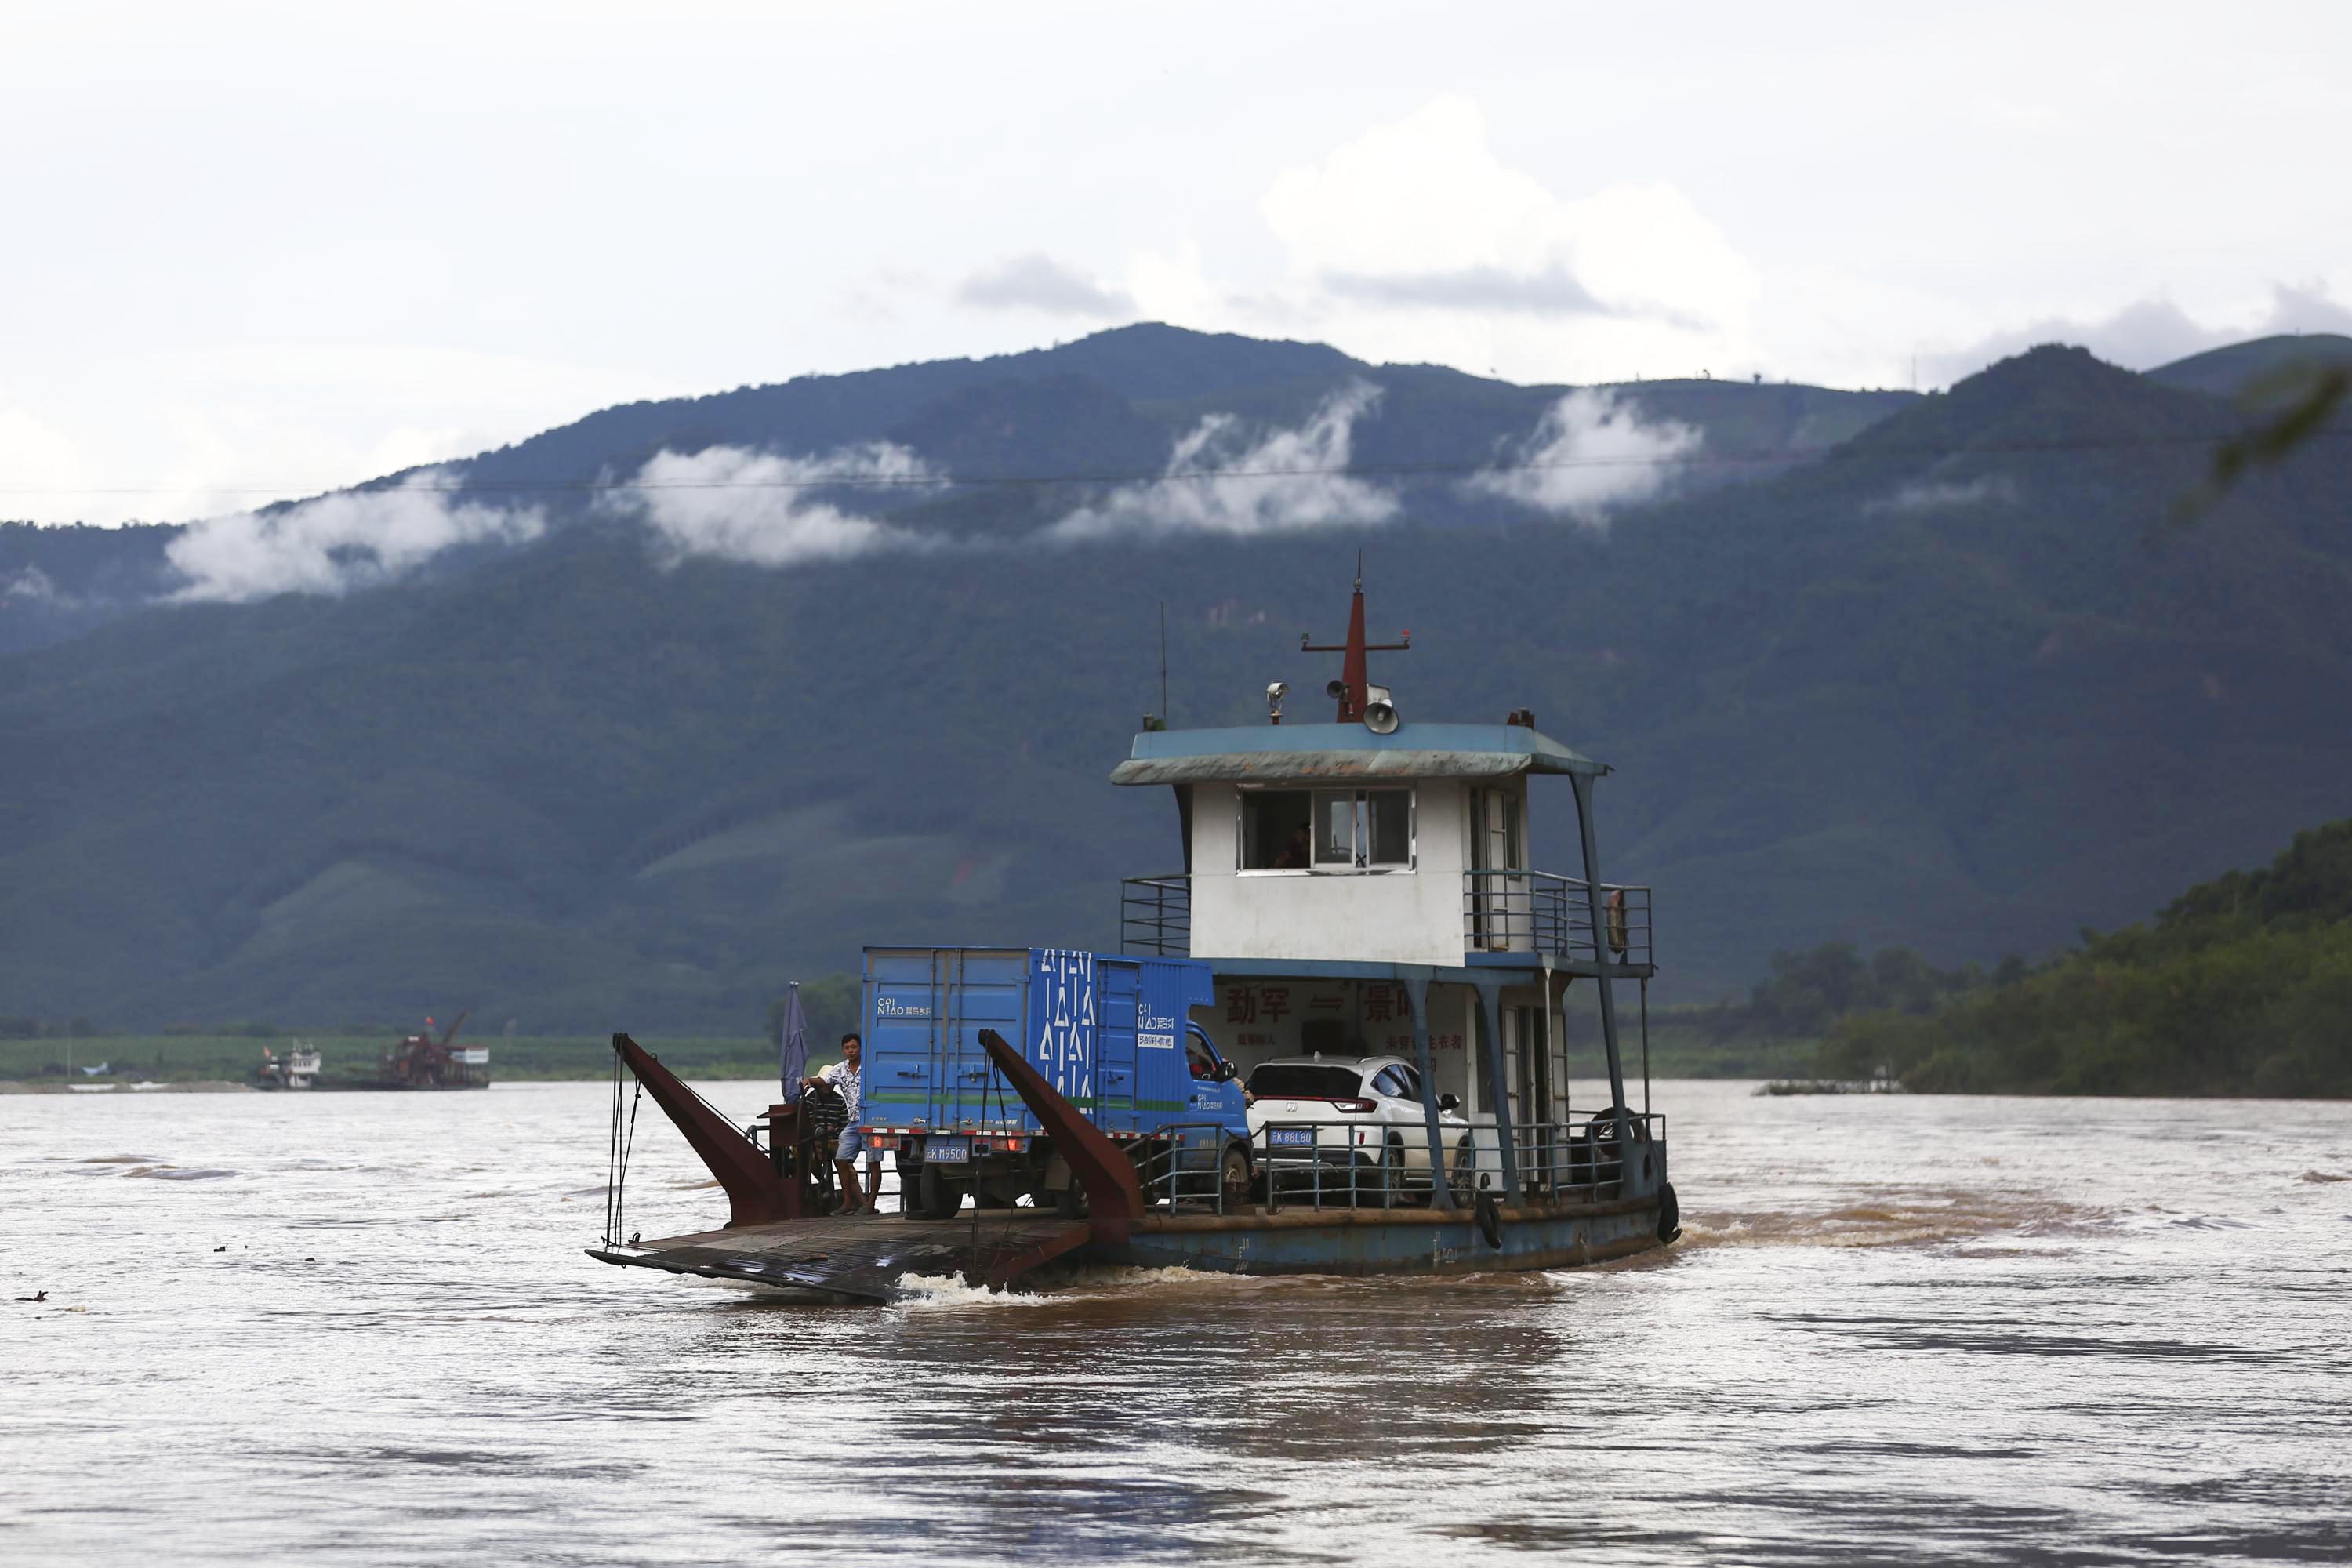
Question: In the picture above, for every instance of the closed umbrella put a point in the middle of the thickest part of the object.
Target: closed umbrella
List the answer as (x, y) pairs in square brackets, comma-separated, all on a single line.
[(792, 1045)]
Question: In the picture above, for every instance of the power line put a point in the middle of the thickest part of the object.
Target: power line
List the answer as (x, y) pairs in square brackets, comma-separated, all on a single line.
[(1211, 476)]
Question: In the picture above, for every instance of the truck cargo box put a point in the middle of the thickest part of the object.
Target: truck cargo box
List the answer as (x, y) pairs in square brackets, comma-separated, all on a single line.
[(1107, 1030)]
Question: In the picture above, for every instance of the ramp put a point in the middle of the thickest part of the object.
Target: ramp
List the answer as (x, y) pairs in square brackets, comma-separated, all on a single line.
[(862, 1260)]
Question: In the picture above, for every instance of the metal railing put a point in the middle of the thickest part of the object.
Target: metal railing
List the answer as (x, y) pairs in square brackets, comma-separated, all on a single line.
[(1581, 1161), (1323, 1164), (1155, 916), (1183, 1164), (1542, 912)]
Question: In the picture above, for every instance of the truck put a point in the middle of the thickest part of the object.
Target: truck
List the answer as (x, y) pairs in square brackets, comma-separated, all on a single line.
[(1113, 1035)]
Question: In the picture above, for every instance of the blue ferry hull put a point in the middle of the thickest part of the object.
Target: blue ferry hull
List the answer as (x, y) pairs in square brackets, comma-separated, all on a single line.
[(1350, 1242)]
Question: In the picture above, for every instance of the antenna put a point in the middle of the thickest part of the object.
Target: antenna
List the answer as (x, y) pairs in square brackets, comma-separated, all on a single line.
[(1353, 687), (1163, 658)]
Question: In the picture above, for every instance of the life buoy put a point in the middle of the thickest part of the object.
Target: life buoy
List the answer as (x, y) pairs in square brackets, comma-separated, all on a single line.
[(1670, 1214), (1619, 936)]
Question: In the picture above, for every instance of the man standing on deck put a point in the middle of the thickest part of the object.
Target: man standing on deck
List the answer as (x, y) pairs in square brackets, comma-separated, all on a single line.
[(845, 1078)]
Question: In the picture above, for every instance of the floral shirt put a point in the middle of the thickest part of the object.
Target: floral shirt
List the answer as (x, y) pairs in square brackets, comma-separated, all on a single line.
[(847, 1082)]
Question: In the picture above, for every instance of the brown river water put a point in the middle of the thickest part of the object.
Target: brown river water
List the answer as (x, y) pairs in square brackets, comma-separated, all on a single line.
[(360, 1329)]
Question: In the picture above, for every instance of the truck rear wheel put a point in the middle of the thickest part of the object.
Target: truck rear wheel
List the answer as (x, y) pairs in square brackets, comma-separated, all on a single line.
[(937, 1196), (1234, 1179)]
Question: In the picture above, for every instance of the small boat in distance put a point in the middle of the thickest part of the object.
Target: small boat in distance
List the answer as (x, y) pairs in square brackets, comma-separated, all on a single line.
[(1335, 1042), (298, 1069)]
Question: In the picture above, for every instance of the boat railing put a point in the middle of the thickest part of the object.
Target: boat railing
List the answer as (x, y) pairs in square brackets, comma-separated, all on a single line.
[(1518, 911), (1183, 1163), (1155, 916), (1319, 1164), (1580, 1161)]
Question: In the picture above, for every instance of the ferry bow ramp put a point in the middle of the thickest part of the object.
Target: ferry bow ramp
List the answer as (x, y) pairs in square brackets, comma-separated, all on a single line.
[(862, 1260)]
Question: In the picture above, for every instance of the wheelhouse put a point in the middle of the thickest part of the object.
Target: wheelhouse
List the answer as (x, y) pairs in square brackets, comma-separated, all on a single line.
[(1372, 885)]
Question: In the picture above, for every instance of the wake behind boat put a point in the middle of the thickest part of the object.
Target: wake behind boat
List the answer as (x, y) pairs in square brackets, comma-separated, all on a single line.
[(1335, 1043)]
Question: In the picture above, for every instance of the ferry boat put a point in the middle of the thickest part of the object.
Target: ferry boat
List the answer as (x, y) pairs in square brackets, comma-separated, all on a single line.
[(1336, 1041)]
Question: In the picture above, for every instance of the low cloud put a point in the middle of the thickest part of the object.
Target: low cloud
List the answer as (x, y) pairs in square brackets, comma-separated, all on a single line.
[(1038, 282), (355, 539), (1220, 480), (1547, 292), (1590, 452), (739, 505), (31, 585), (1946, 495)]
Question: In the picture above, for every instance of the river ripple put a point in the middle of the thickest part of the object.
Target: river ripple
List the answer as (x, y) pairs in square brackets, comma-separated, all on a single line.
[(358, 1328)]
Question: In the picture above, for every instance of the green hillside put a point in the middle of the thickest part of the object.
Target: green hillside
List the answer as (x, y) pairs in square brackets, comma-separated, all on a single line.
[(2243, 985), (1938, 688), (2231, 371)]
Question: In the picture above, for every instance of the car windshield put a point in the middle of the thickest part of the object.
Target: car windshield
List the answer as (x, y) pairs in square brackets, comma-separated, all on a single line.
[(1301, 1080)]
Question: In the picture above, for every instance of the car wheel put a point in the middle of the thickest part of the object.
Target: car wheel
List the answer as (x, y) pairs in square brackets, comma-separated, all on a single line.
[(1462, 1175)]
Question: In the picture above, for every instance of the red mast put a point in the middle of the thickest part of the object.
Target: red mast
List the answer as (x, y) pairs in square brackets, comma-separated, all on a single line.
[(1353, 686)]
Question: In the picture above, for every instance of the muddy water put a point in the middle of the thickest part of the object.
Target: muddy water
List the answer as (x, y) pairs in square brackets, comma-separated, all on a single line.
[(360, 1329)]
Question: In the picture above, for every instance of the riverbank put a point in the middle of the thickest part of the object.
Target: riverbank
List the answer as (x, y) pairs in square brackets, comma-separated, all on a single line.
[(176, 1060)]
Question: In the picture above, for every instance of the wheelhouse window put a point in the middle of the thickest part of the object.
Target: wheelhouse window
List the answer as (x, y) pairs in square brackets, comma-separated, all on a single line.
[(1335, 828), (1275, 829), (1387, 827), (1328, 830)]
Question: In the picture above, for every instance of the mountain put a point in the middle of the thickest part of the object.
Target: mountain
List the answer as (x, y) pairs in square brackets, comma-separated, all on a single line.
[(1114, 404), (2231, 371), (1950, 683), (2241, 986)]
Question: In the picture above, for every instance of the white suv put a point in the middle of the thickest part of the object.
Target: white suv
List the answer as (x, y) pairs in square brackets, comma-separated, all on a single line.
[(1361, 1113)]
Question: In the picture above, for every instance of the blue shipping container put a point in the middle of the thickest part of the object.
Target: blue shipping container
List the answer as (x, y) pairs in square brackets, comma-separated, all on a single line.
[(1106, 1030)]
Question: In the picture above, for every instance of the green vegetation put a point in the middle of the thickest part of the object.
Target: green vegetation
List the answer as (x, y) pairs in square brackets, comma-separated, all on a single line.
[(2242, 986)]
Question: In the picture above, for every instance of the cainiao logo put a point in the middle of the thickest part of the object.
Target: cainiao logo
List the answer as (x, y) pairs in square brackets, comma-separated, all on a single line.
[(887, 1007)]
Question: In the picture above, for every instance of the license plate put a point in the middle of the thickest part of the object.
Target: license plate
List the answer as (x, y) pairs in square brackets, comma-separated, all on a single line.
[(948, 1151), (1290, 1137)]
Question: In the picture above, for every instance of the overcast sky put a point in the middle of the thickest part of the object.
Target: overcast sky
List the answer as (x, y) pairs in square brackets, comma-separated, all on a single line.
[(255, 252)]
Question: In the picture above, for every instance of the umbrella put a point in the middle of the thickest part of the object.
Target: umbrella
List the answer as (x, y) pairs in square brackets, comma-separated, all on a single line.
[(792, 1045)]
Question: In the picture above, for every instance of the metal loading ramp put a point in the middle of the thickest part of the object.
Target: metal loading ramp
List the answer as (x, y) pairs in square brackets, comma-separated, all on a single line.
[(863, 1259)]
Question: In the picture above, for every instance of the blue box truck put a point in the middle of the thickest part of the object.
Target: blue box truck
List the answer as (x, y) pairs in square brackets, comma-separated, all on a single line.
[(1112, 1034)]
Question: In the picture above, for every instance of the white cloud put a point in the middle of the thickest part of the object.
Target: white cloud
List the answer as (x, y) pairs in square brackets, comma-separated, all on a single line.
[(29, 585), (1038, 282), (1590, 451), (768, 510), (1947, 495), (1415, 241), (1218, 480), (355, 539)]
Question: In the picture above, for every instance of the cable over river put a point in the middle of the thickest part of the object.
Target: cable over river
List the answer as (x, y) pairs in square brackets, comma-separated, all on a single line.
[(361, 1330)]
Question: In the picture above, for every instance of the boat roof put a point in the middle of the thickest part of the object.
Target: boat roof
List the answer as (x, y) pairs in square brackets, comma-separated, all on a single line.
[(1269, 754)]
